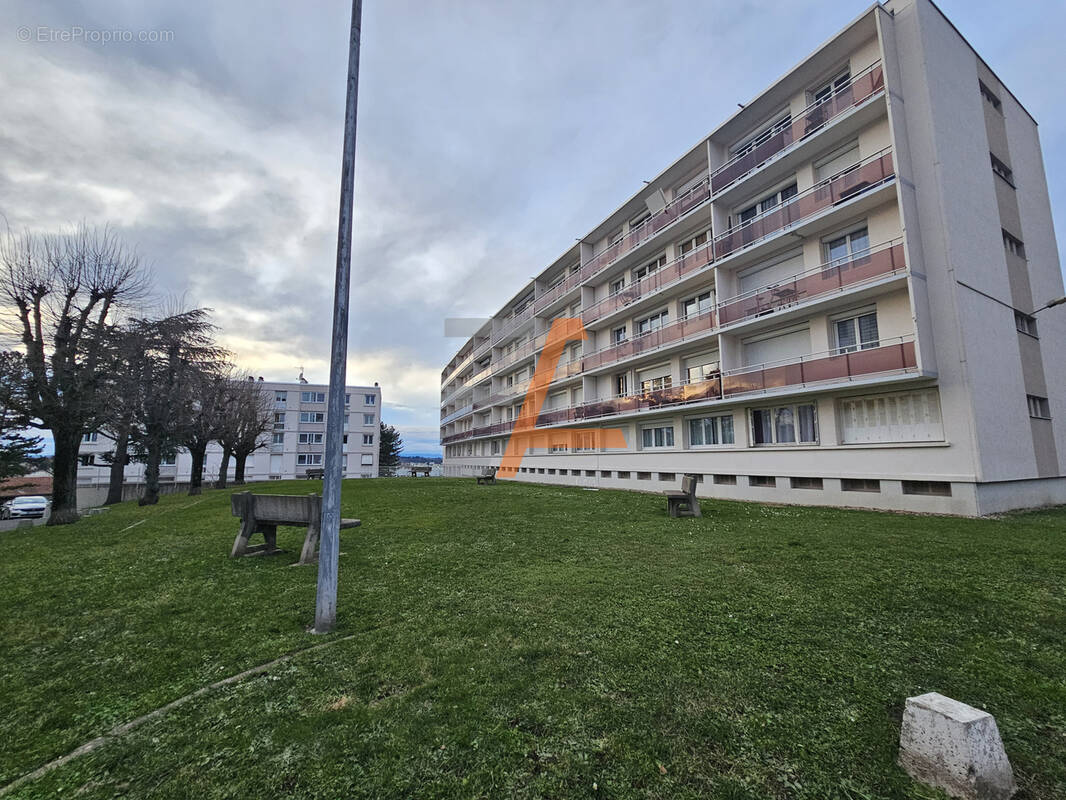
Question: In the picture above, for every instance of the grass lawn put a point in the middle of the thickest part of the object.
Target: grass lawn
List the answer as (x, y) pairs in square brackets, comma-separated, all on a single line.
[(527, 641)]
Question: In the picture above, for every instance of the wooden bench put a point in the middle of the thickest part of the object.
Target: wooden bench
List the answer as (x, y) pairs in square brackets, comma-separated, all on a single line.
[(684, 503), (263, 513), (315, 474), (487, 475), (416, 471)]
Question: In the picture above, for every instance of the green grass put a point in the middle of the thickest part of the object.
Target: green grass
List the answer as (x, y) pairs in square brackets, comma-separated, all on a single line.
[(527, 641)]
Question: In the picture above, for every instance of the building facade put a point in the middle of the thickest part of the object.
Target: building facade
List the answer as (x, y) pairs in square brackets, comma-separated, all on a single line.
[(296, 444), (829, 300)]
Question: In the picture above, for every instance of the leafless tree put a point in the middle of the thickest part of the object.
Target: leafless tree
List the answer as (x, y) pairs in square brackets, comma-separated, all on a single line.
[(62, 291), (247, 420), (205, 421)]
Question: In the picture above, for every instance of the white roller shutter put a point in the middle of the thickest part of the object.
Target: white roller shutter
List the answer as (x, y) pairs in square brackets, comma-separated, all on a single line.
[(910, 417), (652, 373), (768, 275), (777, 347)]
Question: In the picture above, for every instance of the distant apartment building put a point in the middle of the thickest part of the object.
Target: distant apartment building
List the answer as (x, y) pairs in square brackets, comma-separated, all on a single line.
[(831, 299), (296, 444)]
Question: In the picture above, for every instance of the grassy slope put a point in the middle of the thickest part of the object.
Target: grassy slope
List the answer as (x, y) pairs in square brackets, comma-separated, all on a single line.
[(529, 641)]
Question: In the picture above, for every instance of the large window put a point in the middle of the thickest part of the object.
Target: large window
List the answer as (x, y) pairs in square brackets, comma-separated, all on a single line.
[(311, 416), (657, 436), (700, 368), (368, 438), (694, 306), (278, 438), (652, 323), (618, 335), (898, 417), (830, 88), (844, 248), (312, 397), (368, 419), (857, 332), (308, 459), (791, 424), (704, 431), (649, 268), (763, 135), (279, 420), (310, 438), (692, 243), (280, 397), (767, 203)]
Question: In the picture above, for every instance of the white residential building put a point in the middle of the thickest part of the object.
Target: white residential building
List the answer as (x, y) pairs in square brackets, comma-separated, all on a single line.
[(833, 299), (295, 445)]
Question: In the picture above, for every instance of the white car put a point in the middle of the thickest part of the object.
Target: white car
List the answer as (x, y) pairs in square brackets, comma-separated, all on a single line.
[(20, 507)]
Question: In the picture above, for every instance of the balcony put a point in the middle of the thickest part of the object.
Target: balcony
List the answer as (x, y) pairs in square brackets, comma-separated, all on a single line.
[(668, 334), (891, 355), (821, 281), (460, 412), (561, 289), (519, 316), (811, 120), (865, 176), (710, 389), (522, 351), (660, 279), (674, 210)]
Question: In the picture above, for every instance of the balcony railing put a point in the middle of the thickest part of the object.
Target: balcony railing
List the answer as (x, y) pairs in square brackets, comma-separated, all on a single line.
[(674, 210), (826, 279), (520, 316), (812, 119), (870, 173), (673, 272), (891, 355), (454, 415), (553, 293), (709, 389), (652, 340), (522, 351)]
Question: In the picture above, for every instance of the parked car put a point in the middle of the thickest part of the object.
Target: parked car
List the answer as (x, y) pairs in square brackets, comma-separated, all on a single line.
[(20, 507)]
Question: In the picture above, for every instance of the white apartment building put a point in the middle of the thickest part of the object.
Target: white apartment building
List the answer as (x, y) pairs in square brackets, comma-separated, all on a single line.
[(829, 300), (296, 444)]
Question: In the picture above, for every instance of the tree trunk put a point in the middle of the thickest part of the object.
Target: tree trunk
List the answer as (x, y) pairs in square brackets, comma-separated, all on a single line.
[(223, 469), (65, 477), (118, 468), (240, 459), (196, 480), (151, 474)]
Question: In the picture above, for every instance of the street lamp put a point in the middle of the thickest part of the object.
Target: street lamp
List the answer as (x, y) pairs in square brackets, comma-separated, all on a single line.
[(1058, 301)]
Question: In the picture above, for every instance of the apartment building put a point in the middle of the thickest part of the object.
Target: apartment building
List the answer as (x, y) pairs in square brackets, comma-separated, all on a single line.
[(296, 444), (832, 299)]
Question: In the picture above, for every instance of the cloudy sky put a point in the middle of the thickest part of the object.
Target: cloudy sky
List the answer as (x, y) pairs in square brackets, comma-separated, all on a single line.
[(492, 133)]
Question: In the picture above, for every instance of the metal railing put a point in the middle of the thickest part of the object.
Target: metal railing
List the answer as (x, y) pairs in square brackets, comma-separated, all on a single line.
[(825, 279), (813, 118), (668, 334), (866, 175)]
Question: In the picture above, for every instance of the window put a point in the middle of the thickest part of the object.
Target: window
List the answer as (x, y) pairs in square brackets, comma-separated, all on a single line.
[(312, 416), (621, 385), (668, 476), (842, 249), (830, 88), (312, 397), (704, 431), (168, 461), (344, 440), (837, 163), (279, 420), (805, 483), (370, 400), (725, 480), (938, 488), (1025, 323), (639, 219), (700, 368), (308, 459), (87, 460), (990, 97), (859, 485), (310, 438), (643, 476), (557, 448), (368, 419), (368, 438), (605, 473), (900, 417), (649, 268), (92, 436), (793, 424), (655, 384), (614, 237), (657, 436), (618, 335), (652, 323), (1038, 407), (697, 305), (767, 203), (688, 245), (623, 475), (856, 333), (348, 397), (280, 397), (278, 438), (1002, 170), (763, 135), (765, 481), (618, 285), (1013, 245)]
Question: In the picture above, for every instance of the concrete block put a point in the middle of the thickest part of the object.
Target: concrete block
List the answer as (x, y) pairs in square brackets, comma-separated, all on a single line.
[(955, 747)]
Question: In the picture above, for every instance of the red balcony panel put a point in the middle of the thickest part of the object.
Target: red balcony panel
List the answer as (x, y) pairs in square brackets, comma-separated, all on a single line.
[(813, 119)]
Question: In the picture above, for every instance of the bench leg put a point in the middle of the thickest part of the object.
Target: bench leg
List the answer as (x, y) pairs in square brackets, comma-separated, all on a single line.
[(240, 544), (270, 536), (695, 506), (309, 554)]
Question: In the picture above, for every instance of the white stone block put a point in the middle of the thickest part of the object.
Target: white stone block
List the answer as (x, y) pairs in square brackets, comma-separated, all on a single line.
[(955, 747)]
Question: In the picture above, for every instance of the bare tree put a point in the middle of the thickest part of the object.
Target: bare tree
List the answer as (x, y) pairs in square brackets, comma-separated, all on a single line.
[(205, 421), (64, 289), (178, 353), (246, 422), (17, 449)]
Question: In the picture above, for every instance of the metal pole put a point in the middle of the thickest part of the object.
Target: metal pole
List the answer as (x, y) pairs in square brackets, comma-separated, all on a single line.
[(329, 543)]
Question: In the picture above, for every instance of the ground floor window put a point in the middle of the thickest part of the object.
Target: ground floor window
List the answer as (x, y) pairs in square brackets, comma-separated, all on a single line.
[(308, 459), (791, 424), (658, 436), (898, 417), (704, 431)]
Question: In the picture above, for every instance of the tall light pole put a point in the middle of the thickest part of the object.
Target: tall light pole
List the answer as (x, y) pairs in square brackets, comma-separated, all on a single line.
[(329, 543)]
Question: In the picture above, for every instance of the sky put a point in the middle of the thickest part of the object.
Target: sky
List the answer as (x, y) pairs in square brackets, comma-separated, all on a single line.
[(492, 134)]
